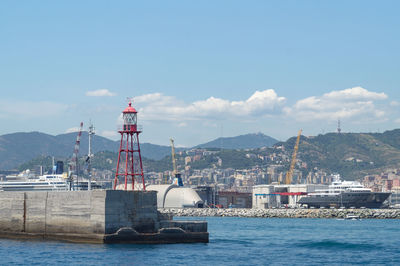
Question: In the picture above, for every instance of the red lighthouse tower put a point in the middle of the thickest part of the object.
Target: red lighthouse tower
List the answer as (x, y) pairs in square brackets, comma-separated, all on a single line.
[(129, 164)]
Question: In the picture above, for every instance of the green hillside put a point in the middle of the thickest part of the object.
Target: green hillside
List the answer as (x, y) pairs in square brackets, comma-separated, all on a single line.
[(19, 148), (353, 155), (248, 141)]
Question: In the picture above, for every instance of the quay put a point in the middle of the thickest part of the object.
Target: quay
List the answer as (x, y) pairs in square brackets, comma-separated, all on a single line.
[(285, 213), (97, 216)]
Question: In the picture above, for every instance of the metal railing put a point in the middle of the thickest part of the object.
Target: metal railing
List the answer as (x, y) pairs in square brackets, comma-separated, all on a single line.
[(138, 128)]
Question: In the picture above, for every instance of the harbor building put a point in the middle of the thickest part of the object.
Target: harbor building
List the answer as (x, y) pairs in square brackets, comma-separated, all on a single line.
[(263, 197), (231, 199), (275, 196)]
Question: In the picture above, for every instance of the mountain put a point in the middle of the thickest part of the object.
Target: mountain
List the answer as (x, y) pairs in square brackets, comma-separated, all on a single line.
[(148, 150), (352, 155), (17, 148), (248, 141)]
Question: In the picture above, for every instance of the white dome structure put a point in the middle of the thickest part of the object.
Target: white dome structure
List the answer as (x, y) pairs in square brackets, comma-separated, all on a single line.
[(173, 196)]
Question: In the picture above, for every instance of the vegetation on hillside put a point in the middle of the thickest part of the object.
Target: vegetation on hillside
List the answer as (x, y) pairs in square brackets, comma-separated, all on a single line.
[(45, 161), (350, 154)]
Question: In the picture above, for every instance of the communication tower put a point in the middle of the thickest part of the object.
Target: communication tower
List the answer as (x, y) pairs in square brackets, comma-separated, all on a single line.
[(338, 127), (129, 164)]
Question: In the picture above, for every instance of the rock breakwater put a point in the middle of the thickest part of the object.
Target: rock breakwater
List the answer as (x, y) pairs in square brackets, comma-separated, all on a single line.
[(286, 213)]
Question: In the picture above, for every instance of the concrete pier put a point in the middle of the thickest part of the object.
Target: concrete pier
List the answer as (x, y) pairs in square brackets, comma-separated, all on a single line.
[(102, 216)]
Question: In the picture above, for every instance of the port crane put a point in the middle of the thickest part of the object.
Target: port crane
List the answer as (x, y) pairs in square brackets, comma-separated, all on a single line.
[(73, 167), (177, 176), (289, 174), (173, 157), (174, 171)]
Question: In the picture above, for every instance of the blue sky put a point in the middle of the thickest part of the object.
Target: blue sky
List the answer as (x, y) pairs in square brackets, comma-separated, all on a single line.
[(200, 70)]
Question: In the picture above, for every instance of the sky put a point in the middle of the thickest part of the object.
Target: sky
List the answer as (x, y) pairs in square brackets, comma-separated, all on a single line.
[(199, 70)]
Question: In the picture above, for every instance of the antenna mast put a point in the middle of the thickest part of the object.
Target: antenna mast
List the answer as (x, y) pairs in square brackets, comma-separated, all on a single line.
[(338, 127), (74, 161)]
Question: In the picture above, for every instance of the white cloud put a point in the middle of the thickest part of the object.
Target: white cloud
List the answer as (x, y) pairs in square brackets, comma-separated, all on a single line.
[(356, 93), (182, 124), (157, 106), (262, 109), (25, 109), (261, 101), (111, 134), (72, 129), (155, 98), (348, 103), (120, 120), (100, 93), (394, 103), (180, 146)]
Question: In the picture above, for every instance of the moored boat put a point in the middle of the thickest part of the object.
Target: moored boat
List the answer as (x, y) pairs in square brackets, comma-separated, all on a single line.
[(344, 194), (46, 182)]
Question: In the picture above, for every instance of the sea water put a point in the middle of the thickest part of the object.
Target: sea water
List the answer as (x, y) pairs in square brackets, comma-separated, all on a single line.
[(234, 241)]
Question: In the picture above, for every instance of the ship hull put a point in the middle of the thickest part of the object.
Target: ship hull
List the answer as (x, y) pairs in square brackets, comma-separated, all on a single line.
[(346, 199)]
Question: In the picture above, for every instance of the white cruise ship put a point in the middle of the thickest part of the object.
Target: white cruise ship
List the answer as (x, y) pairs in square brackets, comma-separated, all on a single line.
[(47, 182), (28, 182)]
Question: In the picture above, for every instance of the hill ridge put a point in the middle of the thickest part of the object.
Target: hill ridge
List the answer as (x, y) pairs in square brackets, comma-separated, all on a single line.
[(245, 141), (20, 147)]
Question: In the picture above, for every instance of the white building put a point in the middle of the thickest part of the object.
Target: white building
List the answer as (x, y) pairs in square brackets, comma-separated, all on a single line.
[(270, 196), (263, 197)]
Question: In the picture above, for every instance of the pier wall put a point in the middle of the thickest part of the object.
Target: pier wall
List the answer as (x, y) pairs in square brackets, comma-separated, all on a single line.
[(100, 216), (78, 212)]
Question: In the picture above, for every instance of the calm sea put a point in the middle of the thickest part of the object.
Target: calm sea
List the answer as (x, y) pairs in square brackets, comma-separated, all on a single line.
[(235, 241)]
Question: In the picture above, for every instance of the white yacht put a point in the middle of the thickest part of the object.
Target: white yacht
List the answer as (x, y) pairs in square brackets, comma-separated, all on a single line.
[(344, 194)]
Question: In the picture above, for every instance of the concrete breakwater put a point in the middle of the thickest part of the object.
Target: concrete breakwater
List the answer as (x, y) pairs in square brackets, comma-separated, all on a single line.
[(287, 213), (101, 216)]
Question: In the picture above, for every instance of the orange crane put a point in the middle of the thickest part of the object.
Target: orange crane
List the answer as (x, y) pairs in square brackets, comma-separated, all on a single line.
[(173, 162), (173, 157), (177, 176), (289, 173)]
